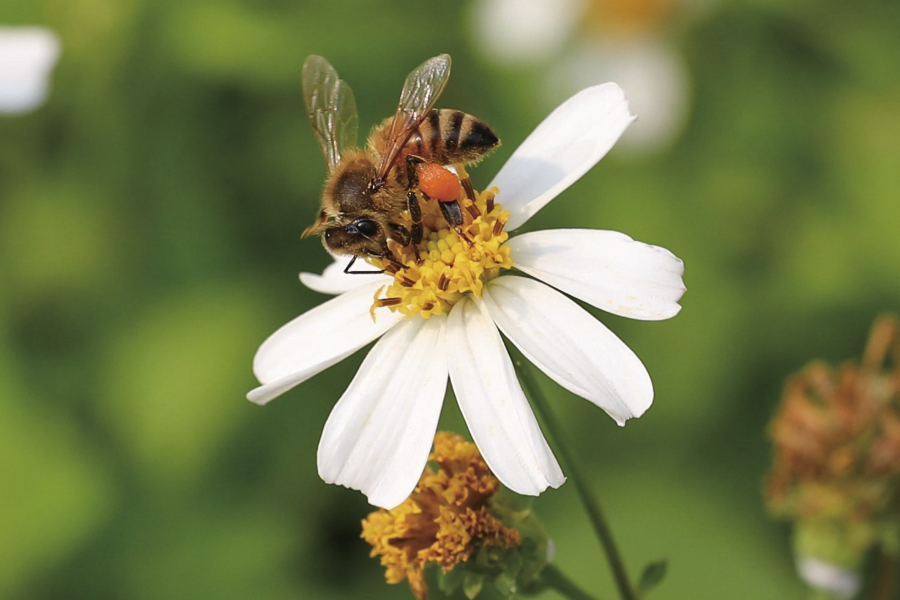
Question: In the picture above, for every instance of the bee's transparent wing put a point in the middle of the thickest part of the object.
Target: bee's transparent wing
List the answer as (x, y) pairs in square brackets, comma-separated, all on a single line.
[(420, 93), (331, 108)]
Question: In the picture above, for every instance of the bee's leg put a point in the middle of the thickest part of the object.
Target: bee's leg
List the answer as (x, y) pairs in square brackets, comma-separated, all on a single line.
[(454, 217), (415, 215), (412, 174), (452, 213), (413, 236), (451, 210), (350, 264), (402, 236)]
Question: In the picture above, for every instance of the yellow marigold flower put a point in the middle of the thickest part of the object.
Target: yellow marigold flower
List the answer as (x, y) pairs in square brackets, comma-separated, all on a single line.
[(445, 520)]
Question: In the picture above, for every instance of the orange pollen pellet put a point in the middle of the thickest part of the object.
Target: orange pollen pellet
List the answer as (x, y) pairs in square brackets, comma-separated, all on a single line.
[(437, 182)]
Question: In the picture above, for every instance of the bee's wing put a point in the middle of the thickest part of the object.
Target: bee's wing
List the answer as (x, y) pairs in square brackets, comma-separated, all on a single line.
[(331, 108), (420, 92)]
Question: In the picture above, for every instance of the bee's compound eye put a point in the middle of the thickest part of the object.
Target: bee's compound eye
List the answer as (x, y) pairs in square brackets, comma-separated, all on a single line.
[(366, 227)]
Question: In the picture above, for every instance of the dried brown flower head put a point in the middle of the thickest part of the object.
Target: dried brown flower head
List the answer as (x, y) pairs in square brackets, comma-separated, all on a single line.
[(837, 451)]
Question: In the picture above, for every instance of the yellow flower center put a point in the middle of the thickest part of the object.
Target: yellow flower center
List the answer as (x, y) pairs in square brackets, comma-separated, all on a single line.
[(446, 266)]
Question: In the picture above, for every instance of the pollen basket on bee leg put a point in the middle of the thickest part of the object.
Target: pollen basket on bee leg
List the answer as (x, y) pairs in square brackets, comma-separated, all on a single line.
[(437, 182)]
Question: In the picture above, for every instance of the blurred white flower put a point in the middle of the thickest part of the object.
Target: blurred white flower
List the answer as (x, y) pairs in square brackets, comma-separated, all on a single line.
[(27, 58), (379, 433), (654, 75), (838, 581), (591, 41), (524, 31)]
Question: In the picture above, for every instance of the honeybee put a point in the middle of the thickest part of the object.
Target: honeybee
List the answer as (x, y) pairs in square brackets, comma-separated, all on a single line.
[(369, 190)]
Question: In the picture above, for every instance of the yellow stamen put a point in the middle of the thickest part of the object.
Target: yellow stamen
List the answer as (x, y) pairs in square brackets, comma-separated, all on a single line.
[(442, 269)]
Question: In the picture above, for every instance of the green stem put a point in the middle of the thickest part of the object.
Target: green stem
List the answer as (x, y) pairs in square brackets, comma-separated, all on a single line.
[(591, 505), (555, 579), (885, 585)]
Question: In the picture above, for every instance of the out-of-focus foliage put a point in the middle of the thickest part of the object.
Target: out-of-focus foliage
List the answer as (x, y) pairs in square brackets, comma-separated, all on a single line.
[(150, 216)]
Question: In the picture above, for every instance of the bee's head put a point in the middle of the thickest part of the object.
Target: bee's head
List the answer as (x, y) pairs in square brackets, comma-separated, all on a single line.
[(361, 236)]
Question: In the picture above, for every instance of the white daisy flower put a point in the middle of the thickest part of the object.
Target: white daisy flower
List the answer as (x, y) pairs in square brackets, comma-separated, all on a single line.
[(378, 435), (27, 57)]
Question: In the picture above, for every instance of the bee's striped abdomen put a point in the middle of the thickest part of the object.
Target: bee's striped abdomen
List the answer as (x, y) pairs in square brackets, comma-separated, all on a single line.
[(451, 136)]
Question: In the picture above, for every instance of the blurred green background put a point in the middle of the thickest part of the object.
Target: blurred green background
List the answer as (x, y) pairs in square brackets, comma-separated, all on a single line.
[(150, 219)]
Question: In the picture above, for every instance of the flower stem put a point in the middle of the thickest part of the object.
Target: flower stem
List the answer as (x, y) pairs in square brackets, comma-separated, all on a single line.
[(885, 586), (591, 505), (555, 579)]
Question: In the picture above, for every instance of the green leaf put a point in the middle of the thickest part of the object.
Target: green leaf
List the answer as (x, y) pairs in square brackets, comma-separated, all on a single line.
[(653, 574)]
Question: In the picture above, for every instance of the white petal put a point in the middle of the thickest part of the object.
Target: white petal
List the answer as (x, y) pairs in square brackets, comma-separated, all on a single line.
[(570, 346), (379, 434), (316, 340), (491, 400), (606, 269), (563, 148), (333, 280), (27, 57)]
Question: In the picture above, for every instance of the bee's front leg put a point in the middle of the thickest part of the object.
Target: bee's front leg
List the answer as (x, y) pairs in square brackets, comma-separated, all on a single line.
[(402, 236), (350, 264), (415, 215)]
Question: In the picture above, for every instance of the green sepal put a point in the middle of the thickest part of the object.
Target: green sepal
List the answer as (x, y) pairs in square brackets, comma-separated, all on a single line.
[(472, 585), (451, 580), (506, 584)]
